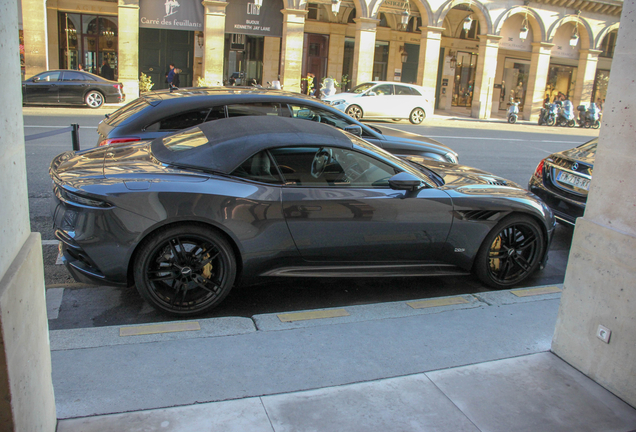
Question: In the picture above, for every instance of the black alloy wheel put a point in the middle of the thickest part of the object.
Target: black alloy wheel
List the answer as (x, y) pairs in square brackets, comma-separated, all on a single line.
[(354, 111), (511, 252), (185, 270)]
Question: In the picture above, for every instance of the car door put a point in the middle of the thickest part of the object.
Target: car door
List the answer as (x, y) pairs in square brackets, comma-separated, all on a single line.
[(378, 101), (42, 88), (72, 87), (339, 207), (404, 100)]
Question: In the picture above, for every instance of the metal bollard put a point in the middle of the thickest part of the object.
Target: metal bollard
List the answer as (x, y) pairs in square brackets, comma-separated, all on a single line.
[(75, 136)]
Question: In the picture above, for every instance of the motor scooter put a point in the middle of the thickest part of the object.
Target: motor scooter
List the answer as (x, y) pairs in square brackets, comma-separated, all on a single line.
[(513, 112), (593, 117), (544, 115), (566, 115)]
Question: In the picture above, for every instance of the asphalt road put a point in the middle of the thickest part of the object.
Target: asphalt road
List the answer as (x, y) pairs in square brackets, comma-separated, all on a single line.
[(511, 151)]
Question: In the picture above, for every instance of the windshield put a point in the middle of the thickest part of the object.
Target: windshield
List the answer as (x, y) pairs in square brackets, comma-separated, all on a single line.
[(362, 88)]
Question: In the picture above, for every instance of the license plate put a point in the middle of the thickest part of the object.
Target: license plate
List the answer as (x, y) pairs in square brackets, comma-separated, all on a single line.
[(573, 180)]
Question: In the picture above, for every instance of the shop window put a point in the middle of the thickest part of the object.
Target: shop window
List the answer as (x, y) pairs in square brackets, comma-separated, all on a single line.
[(380, 61), (600, 87), (312, 9), (609, 44)]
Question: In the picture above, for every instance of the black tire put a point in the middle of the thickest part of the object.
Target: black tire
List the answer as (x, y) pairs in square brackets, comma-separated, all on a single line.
[(94, 99), (596, 125), (511, 252), (417, 116), (185, 270), (571, 123), (354, 111), (550, 121), (512, 119)]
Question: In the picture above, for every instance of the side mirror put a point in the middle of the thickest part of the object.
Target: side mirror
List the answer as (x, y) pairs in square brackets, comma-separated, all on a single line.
[(370, 93), (35, 79), (354, 130), (405, 181)]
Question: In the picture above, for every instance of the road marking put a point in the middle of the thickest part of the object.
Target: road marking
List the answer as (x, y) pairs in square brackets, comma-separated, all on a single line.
[(319, 314), (58, 127), (53, 302), (536, 291), (50, 242), (159, 328), (437, 302), (501, 139)]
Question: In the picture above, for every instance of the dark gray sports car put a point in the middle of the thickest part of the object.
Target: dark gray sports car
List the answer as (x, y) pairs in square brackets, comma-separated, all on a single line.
[(187, 216)]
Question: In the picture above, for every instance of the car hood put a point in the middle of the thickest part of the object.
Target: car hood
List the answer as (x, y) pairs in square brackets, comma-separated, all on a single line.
[(398, 136), (341, 96)]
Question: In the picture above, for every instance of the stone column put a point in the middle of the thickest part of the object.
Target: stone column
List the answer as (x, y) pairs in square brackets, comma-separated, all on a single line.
[(27, 402), (428, 63), (214, 37), (485, 76), (52, 29), (336, 51), (585, 76), (35, 39), (364, 51), (128, 23), (291, 57), (535, 93), (271, 59), (599, 280)]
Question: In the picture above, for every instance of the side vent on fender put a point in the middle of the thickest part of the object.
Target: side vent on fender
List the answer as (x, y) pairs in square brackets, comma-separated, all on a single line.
[(477, 215), (497, 182)]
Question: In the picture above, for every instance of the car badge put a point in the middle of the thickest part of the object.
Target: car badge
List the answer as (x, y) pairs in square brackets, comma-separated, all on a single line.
[(575, 167)]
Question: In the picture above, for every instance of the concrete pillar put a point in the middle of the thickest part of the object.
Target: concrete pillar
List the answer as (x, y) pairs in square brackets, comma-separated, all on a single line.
[(485, 76), (364, 50), (291, 58), (27, 402), (585, 76), (53, 42), (535, 93), (430, 45), (599, 281), (214, 41), (35, 39), (336, 51), (271, 59), (128, 22)]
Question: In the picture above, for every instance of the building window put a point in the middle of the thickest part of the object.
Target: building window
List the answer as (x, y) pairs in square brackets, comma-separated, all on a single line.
[(414, 25), (380, 61), (352, 16), (383, 21), (609, 44), (312, 9), (88, 40)]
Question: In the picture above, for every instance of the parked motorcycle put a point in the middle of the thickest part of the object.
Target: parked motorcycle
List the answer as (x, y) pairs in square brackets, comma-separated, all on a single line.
[(589, 117), (566, 115), (548, 114), (513, 112)]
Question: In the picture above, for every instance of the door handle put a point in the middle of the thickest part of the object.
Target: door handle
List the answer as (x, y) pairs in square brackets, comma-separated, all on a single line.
[(309, 208)]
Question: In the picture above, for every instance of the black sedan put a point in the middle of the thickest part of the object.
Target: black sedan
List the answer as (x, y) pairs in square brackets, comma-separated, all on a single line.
[(71, 87), (161, 113), (563, 179), (188, 216)]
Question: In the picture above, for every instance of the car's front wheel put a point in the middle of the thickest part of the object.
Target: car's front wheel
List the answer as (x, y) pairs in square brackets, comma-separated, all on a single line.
[(94, 99), (417, 116), (511, 252), (354, 111), (185, 270)]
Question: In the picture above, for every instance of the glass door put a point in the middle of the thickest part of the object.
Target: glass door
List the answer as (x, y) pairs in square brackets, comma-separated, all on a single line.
[(464, 83)]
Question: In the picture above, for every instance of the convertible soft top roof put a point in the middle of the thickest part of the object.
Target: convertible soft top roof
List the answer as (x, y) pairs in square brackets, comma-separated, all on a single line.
[(231, 141)]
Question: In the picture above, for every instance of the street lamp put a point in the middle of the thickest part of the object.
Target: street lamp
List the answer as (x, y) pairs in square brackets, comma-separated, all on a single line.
[(468, 22), (258, 3), (200, 39), (574, 39), (335, 6), (404, 55)]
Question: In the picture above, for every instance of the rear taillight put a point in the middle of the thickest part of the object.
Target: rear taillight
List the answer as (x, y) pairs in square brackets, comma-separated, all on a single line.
[(118, 86), (118, 141), (538, 173)]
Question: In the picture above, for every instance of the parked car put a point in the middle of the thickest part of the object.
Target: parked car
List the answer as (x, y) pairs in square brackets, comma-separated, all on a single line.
[(187, 216), (71, 87), (160, 113), (563, 179), (382, 100)]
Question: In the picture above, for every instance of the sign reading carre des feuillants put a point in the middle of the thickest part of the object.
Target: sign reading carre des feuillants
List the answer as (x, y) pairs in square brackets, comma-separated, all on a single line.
[(171, 14), (244, 17)]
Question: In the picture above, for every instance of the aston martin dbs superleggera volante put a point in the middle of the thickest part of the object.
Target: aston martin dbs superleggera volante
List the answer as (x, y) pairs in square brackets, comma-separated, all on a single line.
[(188, 216)]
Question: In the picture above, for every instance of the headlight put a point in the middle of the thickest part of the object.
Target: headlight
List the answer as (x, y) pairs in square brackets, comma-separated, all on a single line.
[(451, 157), (337, 102)]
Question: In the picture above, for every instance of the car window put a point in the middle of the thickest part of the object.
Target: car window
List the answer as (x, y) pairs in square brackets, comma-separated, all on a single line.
[(331, 167), (187, 119), (73, 76), (253, 109), (49, 76), (403, 90), (259, 168), (383, 90), (322, 116), (127, 111), (362, 88)]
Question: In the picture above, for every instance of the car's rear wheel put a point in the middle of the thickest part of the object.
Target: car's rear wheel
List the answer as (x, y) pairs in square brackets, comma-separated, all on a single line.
[(94, 99), (511, 252), (185, 270), (417, 116), (354, 111)]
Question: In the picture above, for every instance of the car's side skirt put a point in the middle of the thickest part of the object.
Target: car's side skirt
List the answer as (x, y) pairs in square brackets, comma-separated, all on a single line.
[(383, 270)]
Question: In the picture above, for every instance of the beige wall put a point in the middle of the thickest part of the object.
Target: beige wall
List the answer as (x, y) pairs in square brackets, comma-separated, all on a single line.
[(129, 47)]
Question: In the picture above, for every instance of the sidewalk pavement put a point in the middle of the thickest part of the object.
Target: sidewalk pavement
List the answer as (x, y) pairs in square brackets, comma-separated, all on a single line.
[(478, 362)]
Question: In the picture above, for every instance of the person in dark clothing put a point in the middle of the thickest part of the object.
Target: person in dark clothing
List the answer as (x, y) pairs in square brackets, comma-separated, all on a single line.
[(172, 77), (107, 72)]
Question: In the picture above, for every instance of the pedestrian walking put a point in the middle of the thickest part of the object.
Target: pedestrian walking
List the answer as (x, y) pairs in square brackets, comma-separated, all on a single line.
[(172, 77), (107, 72)]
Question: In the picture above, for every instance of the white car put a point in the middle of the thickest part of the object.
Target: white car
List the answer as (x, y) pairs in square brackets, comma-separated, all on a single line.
[(382, 100)]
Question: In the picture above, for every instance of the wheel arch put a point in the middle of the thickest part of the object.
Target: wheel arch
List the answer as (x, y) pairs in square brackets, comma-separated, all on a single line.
[(169, 224)]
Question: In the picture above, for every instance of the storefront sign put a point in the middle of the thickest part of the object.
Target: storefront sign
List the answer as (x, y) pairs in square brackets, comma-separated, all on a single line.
[(244, 17), (171, 14)]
